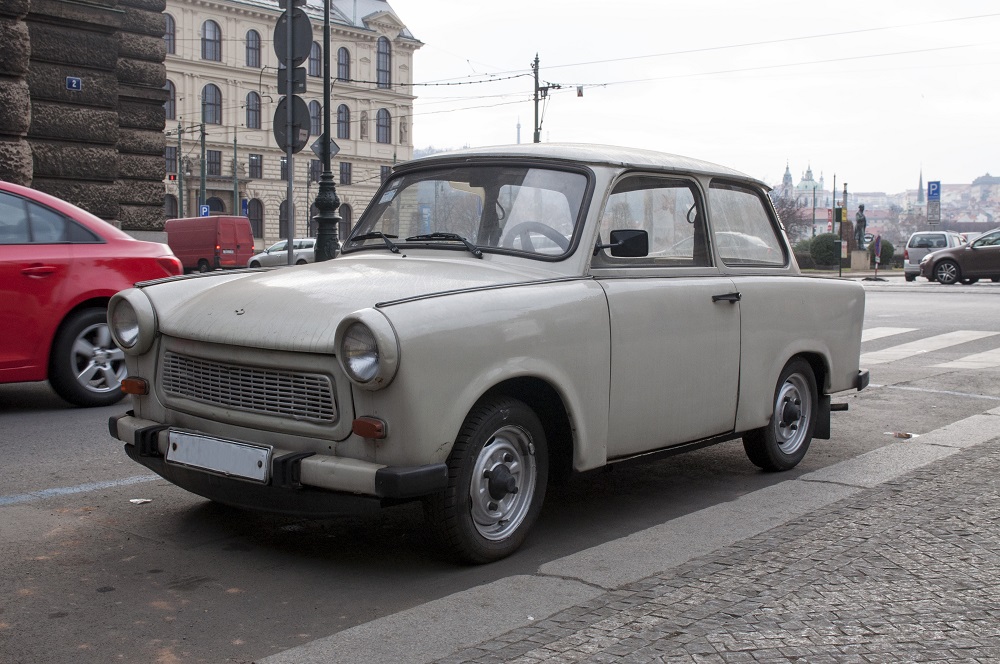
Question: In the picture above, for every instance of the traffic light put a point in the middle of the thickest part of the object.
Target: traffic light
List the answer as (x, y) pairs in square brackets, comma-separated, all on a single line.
[(172, 177)]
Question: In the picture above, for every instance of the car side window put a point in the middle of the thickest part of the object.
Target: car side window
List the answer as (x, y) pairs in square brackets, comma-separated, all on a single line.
[(668, 210), (47, 227), (13, 220), (742, 229), (991, 240)]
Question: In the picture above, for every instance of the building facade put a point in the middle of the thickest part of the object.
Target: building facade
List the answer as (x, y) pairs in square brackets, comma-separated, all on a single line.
[(81, 104), (222, 89)]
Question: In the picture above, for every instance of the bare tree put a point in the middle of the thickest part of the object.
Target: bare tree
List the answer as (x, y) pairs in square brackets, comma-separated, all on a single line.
[(797, 220)]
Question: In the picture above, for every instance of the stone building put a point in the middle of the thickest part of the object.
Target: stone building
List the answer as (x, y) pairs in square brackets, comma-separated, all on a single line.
[(222, 79), (81, 104)]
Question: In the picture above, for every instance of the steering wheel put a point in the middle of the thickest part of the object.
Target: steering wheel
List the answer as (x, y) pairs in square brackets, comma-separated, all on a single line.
[(524, 231)]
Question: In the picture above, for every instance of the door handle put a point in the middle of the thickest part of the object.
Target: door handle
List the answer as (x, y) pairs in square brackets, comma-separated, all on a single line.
[(728, 297), (39, 270)]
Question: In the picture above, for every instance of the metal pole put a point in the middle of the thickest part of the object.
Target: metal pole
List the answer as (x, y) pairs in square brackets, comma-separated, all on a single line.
[(180, 174), (201, 194), (236, 181), (538, 130), (289, 163), (327, 202)]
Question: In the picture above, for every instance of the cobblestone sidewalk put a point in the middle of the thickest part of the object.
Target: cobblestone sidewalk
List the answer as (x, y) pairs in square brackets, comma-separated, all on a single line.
[(906, 572)]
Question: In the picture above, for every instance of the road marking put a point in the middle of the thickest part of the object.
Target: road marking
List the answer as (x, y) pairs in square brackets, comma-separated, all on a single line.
[(80, 488), (988, 360), (924, 389), (873, 333), (922, 346)]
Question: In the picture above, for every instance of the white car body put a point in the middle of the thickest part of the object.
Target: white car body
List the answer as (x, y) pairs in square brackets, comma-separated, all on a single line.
[(582, 355)]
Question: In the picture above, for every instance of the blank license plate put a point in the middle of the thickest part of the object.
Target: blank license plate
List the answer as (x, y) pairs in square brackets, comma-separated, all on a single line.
[(227, 457)]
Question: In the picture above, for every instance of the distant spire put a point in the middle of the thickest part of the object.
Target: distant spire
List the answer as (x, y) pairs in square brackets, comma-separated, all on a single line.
[(920, 188)]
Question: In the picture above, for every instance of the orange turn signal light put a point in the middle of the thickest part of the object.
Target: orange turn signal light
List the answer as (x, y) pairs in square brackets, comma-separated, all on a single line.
[(369, 427), (137, 386)]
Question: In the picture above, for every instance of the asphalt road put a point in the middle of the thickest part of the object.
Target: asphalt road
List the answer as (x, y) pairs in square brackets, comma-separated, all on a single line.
[(88, 575)]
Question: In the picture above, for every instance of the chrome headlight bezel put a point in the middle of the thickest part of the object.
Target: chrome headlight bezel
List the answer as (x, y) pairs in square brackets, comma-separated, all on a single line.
[(367, 349), (132, 321)]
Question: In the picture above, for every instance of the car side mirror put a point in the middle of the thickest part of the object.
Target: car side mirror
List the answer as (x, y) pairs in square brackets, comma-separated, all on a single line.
[(627, 244)]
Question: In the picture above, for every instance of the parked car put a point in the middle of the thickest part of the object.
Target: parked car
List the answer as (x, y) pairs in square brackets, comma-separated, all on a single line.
[(967, 264), (922, 243), (498, 316), (59, 266), (210, 243), (303, 251)]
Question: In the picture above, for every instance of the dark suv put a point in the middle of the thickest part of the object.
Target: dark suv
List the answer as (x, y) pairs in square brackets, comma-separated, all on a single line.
[(965, 264)]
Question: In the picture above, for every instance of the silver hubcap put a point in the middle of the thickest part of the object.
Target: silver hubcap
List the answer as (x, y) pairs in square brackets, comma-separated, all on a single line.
[(947, 273), (503, 483), (99, 365), (792, 411)]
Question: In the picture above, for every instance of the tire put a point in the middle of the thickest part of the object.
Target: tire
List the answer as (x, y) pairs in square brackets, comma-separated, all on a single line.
[(203, 265), (500, 447), (969, 281), (85, 366), (910, 277), (300, 262), (254, 264), (995, 279), (783, 443), (947, 272)]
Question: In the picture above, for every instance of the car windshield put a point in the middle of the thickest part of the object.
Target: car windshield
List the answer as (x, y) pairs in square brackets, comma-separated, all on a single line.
[(518, 209)]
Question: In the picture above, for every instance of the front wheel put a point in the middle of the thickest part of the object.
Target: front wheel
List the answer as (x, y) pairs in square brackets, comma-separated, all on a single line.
[(85, 367), (497, 476), (783, 443), (947, 272)]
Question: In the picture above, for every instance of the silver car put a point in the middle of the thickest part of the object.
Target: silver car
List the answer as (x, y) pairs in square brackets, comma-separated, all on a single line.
[(922, 243), (303, 251)]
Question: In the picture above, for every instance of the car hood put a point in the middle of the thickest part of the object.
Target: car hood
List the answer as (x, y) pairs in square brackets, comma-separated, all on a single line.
[(298, 308)]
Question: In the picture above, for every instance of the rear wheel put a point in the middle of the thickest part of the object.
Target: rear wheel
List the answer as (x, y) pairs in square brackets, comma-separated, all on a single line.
[(86, 368), (947, 272), (783, 443), (254, 264), (203, 265), (497, 476), (910, 277)]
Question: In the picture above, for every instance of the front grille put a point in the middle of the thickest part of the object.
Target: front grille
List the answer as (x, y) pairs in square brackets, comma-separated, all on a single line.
[(275, 392)]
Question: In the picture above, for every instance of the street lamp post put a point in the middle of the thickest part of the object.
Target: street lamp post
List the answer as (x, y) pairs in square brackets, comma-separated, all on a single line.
[(327, 202)]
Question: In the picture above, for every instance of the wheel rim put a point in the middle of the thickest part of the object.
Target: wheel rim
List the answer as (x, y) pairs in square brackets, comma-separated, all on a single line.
[(99, 365), (506, 462), (792, 410), (947, 273)]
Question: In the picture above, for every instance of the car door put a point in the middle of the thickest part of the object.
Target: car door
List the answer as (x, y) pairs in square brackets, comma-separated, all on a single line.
[(35, 268), (276, 254), (675, 321), (982, 257)]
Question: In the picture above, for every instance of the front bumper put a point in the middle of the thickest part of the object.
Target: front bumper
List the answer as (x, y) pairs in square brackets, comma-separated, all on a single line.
[(297, 483)]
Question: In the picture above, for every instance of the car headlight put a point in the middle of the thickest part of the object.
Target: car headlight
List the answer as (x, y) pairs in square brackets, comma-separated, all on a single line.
[(132, 321), (367, 349)]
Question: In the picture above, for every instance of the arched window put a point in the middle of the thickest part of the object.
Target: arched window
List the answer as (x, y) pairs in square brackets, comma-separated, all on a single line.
[(253, 110), (383, 126), (253, 48), (315, 60), (170, 106), (315, 118), (343, 121), (169, 35), (216, 206), (211, 100), (343, 64), (255, 210), (169, 206), (383, 69), (211, 41)]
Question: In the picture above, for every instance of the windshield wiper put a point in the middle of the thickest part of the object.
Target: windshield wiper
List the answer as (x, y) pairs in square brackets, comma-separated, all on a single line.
[(473, 249), (378, 235)]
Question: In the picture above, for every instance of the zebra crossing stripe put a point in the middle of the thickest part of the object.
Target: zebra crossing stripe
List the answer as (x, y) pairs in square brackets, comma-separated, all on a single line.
[(922, 346), (988, 360), (873, 333)]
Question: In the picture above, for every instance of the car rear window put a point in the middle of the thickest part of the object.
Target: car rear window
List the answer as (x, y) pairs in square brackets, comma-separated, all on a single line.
[(934, 241)]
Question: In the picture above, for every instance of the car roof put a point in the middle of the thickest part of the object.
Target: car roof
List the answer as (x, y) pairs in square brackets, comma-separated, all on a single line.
[(596, 155), (92, 221)]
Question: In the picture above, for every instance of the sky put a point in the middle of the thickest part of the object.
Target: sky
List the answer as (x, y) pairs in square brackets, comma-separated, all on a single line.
[(871, 92)]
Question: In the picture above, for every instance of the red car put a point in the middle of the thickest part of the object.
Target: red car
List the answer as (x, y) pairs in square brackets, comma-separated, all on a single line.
[(59, 266)]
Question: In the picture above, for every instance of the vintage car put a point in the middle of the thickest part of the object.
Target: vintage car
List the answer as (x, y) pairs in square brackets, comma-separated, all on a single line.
[(498, 317)]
